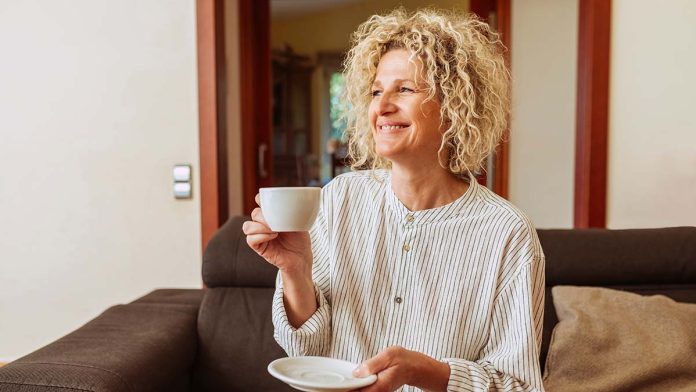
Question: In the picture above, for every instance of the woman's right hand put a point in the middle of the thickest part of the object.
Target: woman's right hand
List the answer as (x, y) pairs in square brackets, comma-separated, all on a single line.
[(291, 252)]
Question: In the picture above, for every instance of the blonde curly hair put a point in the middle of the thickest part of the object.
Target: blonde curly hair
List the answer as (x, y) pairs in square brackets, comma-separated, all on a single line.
[(462, 60)]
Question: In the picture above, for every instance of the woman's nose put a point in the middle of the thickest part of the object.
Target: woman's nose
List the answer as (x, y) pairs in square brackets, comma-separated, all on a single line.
[(386, 104)]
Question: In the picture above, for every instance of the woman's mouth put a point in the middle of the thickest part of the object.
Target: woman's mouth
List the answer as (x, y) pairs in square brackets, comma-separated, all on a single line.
[(392, 127)]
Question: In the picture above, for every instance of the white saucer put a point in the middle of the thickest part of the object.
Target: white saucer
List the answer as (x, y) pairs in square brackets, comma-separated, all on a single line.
[(318, 374)]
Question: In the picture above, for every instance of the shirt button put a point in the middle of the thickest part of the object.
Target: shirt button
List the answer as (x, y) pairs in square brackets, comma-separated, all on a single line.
[(406, 248), (397, 300), (409, 218)]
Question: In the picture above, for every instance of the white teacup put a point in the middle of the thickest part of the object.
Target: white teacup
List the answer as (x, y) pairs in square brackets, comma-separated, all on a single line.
[(290, 208)]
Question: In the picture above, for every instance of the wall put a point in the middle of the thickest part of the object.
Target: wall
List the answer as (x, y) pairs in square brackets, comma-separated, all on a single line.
[(542, 152), (652, 128), (98, 102)]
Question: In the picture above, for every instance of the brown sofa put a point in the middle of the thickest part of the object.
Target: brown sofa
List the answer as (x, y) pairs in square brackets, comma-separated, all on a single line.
[(221, 338)]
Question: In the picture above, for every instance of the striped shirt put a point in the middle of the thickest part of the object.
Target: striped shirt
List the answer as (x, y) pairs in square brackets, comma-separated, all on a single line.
[(462, 283)]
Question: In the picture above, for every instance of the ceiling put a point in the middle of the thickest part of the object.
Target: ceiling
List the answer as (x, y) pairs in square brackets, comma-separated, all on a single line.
[(291, 8)]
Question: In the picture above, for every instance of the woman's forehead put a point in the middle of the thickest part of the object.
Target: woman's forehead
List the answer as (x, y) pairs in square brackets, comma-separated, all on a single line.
[(399, 64)]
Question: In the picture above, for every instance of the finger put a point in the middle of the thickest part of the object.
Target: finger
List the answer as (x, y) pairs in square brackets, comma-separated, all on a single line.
[(257, 199), (251, 227), (382, 384), (375, 364), (257, 215), (386, 381), (257, 241), (370, 388), (376, 387)]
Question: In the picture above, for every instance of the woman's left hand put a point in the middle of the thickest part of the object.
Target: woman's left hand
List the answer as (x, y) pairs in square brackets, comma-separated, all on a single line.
[(397, 366)]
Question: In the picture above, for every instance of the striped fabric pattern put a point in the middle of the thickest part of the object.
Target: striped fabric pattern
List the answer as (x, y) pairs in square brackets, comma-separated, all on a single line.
[(462, 283)]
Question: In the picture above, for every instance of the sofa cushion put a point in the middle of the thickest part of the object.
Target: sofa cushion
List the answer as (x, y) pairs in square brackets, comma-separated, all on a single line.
[(610, 340), (236, 341), (134, 347), (229, 261), (680, 293), (598, 257)]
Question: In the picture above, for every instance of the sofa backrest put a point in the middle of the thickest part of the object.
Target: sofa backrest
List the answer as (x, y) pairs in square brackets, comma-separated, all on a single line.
[(599, 257), (234, 324), (644, 261), (235, 332), (229, 262)]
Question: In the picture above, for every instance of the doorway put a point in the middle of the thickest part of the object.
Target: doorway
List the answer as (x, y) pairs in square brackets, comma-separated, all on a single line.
[(291, 55)]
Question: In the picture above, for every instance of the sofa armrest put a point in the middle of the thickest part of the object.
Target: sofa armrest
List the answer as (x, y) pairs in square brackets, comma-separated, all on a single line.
[(140, 346), (192, 297)]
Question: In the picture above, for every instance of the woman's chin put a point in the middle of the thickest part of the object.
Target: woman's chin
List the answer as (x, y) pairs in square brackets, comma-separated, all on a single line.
[(387, 153)]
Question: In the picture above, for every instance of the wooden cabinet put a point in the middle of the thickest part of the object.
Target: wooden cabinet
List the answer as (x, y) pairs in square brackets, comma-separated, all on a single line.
[(293, 162)]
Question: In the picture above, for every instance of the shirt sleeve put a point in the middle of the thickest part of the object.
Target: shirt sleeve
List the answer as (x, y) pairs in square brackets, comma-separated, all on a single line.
[(311, 338), (510, 359), (314, 336)]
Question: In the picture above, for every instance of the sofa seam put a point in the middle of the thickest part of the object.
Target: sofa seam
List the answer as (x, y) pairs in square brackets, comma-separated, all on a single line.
[(550, 355), (44, 385), (120, 377), (239, 247)]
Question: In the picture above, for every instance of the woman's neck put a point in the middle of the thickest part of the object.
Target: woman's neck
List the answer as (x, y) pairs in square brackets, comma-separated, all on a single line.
[(426, 187)]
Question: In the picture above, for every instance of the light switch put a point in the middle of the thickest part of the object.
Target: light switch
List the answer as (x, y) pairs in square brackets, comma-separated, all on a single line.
[(182, 173), (182, 190), (182, 181)]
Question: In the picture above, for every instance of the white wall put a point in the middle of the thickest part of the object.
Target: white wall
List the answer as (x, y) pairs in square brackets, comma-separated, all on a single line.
[(542, 152), (98, 102), (652, 125)]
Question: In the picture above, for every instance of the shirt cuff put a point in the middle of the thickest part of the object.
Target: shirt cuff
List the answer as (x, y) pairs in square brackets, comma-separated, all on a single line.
[(312, 337), (466, 376)]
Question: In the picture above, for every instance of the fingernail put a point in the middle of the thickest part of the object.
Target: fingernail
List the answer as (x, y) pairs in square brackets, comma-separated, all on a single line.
[(360, 371)]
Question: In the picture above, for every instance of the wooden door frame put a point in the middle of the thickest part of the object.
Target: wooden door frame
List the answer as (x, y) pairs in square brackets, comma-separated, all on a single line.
[(212, 125), (255, 95), (502, 9), (594, 34), (502, 157), (592, 113), (254, 17)]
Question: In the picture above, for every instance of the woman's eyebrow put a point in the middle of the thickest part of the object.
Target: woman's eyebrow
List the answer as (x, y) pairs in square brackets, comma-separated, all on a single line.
[(378, 83)]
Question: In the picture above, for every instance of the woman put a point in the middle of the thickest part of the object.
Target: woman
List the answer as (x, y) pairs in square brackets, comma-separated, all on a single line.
[(412, 269)]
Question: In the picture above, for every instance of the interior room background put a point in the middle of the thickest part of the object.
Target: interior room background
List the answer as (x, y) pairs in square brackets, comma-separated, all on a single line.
[(99, 101)]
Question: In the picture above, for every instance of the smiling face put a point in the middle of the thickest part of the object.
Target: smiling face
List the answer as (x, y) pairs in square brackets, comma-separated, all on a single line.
[(405, 125)]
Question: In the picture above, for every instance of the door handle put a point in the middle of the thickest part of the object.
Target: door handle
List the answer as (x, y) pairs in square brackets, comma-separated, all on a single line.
[(262, 160)]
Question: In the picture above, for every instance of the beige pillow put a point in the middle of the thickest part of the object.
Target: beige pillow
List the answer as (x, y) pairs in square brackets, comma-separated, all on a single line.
[(610, 340)]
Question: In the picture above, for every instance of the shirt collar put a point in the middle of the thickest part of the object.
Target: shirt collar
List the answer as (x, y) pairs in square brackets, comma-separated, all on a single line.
[(441, 213)]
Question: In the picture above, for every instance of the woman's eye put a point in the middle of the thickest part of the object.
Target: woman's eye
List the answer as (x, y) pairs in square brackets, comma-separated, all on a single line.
[(376, 93), (405, 90)]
